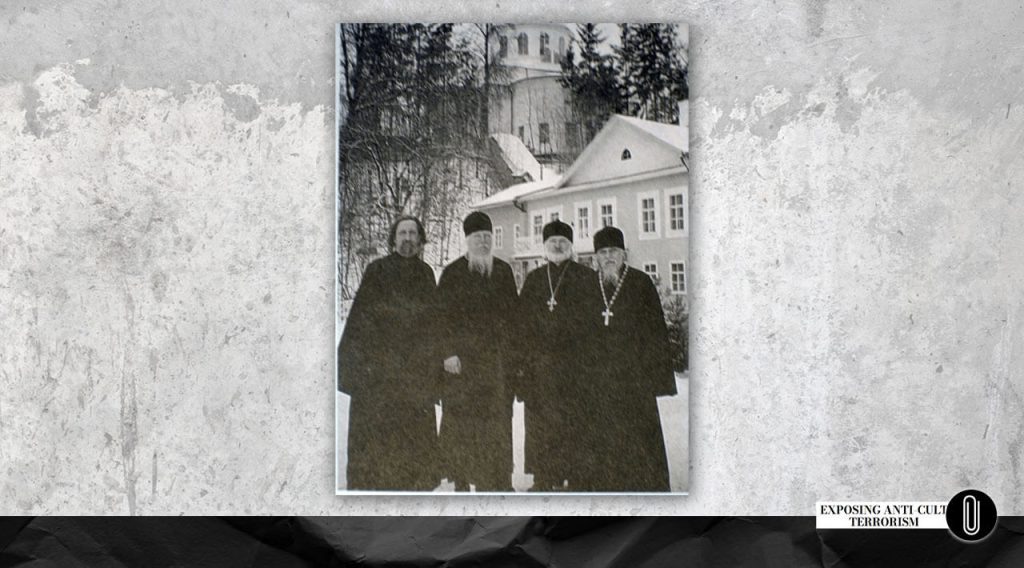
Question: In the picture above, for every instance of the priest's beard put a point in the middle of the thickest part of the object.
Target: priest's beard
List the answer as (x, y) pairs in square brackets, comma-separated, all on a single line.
[(610, 274), (557, 257), (480, 264)]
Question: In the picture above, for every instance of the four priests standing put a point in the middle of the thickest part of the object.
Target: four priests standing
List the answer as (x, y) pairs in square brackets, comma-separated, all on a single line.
[(586, 351)]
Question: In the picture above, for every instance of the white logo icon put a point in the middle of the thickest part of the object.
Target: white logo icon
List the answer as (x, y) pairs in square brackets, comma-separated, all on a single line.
[(972, 515)]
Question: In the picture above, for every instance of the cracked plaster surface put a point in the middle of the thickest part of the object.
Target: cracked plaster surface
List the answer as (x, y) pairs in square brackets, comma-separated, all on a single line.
[(166, 244)]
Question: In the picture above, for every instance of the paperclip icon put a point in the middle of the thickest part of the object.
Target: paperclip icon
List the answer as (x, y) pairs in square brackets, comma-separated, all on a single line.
[(972, 515)]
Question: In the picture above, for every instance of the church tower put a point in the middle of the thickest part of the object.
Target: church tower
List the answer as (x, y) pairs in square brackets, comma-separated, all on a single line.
[(528, 103)]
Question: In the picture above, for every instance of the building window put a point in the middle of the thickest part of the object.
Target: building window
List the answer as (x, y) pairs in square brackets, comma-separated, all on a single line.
[(544, 133), (647, 213), (538, 229), (561, 50), (678, 271), (676, 212), (502, 47), (545, 51), (651, 269), (515, 232), (524, 44), (572, 138), (522, 134), (583, 221), (626, 155), (499, 234), (607, 214)]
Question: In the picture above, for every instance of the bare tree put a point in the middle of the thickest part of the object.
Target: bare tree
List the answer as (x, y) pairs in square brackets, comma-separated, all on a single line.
[(412, 129)]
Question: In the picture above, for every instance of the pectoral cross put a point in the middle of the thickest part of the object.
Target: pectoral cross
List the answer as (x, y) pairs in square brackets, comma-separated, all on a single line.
[(607, 313), (551, 304)]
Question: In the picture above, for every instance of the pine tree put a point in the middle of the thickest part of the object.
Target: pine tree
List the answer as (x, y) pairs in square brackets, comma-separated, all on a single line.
[(593, 82), (653, 71)]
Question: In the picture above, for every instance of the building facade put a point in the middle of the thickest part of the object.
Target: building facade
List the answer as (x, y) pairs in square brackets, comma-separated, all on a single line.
[(633, 176), (528, 101)]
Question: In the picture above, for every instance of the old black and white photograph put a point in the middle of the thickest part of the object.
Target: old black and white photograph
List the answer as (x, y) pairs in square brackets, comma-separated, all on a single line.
[(512, 258)]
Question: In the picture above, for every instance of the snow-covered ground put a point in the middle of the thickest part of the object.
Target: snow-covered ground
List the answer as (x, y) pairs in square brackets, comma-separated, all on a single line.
[(674, 421)]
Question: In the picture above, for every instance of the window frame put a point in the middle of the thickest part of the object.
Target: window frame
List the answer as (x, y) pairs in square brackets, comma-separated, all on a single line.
[(537, 231), (669, 231), (672, 280), (576, 208), (642, 231), (655, 275), (613, 202)]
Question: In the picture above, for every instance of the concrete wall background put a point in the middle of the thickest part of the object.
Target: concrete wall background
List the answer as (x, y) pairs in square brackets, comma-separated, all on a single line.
[(166, 242)]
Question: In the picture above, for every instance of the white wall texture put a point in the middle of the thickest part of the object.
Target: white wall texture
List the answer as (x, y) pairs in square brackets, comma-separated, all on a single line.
[(166, 255)]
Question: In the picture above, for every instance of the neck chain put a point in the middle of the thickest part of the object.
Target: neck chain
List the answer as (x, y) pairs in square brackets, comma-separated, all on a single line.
[(607, 313), (554, 289)]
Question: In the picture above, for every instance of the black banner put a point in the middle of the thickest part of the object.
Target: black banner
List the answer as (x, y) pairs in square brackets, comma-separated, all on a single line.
[(490, 541)]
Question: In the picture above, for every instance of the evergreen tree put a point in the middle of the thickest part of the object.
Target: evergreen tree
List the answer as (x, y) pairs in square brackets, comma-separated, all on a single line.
[(653, 71), (593, 82)]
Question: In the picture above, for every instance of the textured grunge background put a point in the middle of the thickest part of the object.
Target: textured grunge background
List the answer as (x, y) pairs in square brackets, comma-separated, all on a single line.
[(166, 242)]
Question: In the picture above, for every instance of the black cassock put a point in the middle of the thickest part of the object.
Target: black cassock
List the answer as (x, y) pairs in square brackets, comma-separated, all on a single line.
[(472, 321), (555, 348), (634, 366), (392, 443)]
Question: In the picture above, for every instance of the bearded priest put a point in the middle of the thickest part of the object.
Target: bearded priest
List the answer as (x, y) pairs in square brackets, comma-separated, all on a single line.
[(474, 305), (557, 318), (633, 366)]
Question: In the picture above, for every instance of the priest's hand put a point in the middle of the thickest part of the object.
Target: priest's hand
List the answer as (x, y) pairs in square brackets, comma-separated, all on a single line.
[(453, 365)]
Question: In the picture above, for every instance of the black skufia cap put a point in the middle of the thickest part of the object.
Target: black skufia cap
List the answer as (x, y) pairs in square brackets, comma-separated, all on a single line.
[(608, 237), (557, 228), (476, 221)]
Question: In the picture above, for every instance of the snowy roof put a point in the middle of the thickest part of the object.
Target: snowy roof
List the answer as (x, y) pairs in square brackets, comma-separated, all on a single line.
[(514, 192), (672, 134), (516, 155)]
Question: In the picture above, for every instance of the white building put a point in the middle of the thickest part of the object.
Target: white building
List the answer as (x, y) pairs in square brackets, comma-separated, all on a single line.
[(529, 102), (633, 175)]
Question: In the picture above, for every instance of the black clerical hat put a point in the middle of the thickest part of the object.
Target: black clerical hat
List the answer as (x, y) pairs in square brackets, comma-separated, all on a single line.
[(608, 237), (476, 221), (557, 228)]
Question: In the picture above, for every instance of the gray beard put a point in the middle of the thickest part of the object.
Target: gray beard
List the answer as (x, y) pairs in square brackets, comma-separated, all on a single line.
[(481, 264), (610, 276)]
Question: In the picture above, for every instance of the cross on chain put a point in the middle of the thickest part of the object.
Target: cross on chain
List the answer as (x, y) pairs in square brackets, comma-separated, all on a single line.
[(607, 313), (551, 304)]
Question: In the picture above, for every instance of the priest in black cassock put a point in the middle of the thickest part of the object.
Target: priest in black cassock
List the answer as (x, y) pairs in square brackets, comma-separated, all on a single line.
[(557, 322), (475, 300), (392, 440), (634, 366)]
